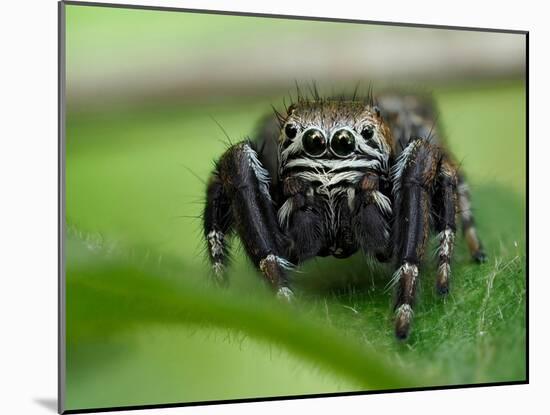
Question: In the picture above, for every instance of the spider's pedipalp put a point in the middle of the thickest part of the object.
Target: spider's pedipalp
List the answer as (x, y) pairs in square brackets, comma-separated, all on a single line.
[(370, 212)]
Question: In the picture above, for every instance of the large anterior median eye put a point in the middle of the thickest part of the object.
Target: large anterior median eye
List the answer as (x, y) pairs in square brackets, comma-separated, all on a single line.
[(342, 143), (314, 142)]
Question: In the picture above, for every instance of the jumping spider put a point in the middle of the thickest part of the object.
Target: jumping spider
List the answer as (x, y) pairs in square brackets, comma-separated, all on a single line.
[(332, 176)]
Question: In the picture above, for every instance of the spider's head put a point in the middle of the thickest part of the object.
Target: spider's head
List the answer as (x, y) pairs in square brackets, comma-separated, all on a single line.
[(334, 129)]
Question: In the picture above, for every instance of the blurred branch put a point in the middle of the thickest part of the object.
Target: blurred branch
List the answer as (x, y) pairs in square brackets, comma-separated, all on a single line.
[(138, 56), (98, 292)]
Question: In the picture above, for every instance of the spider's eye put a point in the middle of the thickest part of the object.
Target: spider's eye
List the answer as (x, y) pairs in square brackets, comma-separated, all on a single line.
[(291, 130), (368, 132), (342, 143), (314, 142)]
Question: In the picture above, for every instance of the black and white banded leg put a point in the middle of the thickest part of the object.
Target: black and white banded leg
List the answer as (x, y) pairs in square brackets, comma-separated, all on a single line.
[(217, 219), (417, 174), (468, 223), (445, 203), (239, 196)]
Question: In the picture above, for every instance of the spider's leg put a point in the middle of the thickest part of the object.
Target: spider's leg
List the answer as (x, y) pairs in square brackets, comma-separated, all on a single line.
[(414, 177), (246, 185), (217, 220), (468, 224), (445, 204)]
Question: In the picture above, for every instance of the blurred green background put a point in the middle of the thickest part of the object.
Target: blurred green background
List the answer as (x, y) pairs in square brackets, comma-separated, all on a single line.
[(146, 91)]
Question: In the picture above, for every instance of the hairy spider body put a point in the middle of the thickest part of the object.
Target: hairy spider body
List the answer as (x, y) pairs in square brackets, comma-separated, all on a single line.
[(334, 176)]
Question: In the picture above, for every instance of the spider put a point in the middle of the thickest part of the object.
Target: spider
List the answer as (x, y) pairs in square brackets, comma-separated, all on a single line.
[(332, 176)]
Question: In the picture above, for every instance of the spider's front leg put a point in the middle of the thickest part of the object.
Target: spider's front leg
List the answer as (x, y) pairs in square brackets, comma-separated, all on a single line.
[(238, 197), (424, 183)]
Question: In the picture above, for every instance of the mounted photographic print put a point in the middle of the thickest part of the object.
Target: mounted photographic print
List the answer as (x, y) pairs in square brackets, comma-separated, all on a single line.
[(264, 207)]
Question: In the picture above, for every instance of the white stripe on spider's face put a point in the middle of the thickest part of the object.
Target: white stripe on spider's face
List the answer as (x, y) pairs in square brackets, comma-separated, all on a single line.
[(363, 148), (333, 164), (332, 177), (380, 151), (327, 179), (295, 147)]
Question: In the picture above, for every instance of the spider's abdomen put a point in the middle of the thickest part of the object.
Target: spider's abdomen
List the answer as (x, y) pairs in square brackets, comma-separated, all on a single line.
[(409, 117)]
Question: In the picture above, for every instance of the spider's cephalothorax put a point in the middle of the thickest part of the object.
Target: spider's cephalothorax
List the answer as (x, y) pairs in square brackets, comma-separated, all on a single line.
[(333, 176)]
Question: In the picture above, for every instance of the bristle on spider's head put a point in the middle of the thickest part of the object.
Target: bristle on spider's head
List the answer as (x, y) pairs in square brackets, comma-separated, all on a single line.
[(310, 92)]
